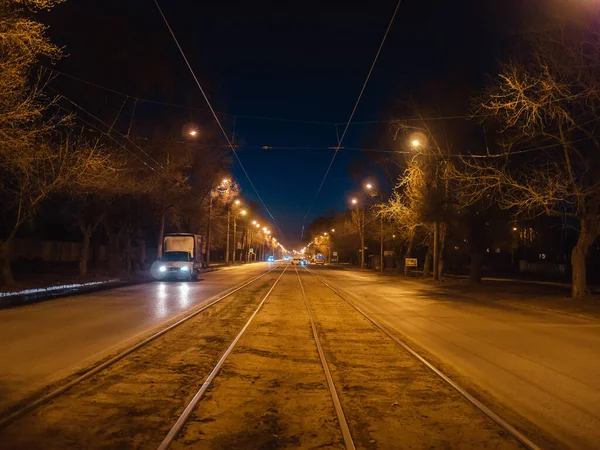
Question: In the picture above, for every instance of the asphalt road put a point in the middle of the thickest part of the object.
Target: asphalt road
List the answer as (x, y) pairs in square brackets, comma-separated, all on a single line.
[(46, 342), (541, 365)]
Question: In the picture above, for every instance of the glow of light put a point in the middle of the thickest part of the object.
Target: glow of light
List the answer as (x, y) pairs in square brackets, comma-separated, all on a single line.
[(415, 143), (237, 202), (163, 268), (514, 228), (354, 201), (243, 212), (193, 133), (254, 222), (258, 225), (333, 230), (184, 297), (369, 186), (225, 181), (324, 234)]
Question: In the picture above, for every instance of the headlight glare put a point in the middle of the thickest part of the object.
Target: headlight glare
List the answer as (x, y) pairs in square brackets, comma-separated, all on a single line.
[(163, 268), (184, 268)]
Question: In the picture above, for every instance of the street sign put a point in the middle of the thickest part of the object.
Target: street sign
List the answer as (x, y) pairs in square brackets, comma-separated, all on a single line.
[(334, 253), (410, 262), (251, 250)]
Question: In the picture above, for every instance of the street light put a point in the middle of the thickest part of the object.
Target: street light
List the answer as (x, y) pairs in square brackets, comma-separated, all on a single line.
[(254, 222), (354, 201), (369, 186), (193, 133), (415, 143), (333, 230)]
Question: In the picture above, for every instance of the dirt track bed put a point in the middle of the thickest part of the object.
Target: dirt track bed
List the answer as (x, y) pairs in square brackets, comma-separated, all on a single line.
[(134, 403), (272, 391), (391, 400)]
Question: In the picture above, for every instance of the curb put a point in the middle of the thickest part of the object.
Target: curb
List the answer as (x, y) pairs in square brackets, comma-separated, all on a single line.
[(37, 295)]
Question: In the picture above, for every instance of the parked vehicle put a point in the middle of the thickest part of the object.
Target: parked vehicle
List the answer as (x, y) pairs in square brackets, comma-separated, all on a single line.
[(181, 259), (319, 259)]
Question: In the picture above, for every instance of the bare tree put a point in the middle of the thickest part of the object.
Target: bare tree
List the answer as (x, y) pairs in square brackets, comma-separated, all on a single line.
[(548, 108)]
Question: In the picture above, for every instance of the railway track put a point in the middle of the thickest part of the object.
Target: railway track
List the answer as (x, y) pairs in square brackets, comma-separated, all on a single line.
[(198, 425), (307, 368)]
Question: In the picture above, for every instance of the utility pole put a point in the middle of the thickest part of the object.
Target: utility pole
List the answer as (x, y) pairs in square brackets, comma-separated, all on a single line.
[(381, 241), (362, 236), (227, 240), (234, 236), (436, 251), (208, 232)]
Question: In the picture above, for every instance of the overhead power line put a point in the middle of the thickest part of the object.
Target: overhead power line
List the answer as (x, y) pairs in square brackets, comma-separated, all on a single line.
[(180, 106), (362, 90), (215, 114), (266, 118)]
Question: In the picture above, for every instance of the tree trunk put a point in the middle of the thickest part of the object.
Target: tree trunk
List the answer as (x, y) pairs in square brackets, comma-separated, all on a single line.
[(127, 251), (441, 245), (7, 276), (578, 260), (427, 265), (85, 250), (161, 235), (475, 266)]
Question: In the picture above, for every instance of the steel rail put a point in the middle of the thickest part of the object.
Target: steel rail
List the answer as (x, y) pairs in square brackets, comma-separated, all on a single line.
[(332, 390), (520, 437), (5, 421), (189, 409)]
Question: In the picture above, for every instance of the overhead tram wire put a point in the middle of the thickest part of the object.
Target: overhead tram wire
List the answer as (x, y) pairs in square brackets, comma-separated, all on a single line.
[(387, 31), (215, 114), (266, 118)]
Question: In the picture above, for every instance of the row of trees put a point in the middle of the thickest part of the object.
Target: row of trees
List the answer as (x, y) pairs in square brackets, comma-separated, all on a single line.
[(116, 189), (530, 153), (545, 161)]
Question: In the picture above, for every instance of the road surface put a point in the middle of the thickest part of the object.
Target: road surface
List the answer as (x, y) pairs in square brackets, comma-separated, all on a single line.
[(48, 341), (541, 365), (539, 370)]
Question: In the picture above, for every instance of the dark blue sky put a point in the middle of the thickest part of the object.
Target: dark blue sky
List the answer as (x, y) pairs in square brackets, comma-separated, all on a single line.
[(304, 60)]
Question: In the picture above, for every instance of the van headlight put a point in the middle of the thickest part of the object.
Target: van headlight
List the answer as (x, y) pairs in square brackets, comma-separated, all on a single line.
[(184, 268), (162, 268)]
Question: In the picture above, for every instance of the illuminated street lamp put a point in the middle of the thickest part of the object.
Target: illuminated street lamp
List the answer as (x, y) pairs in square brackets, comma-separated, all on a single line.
[(415, 143), (333, 230), (193, 133), (354, 201), (369, 186), (254, 222)]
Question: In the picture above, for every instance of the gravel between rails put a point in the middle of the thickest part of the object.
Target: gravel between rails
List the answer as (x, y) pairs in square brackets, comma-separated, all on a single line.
[(133, 403), (390, 399), (271, 392)]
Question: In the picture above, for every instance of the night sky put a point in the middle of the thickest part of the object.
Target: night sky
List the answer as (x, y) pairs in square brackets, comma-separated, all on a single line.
[(302, 61)]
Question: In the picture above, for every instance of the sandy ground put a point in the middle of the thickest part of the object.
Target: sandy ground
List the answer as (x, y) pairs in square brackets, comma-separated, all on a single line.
[(272, 392), (133, 403), (390, 399)]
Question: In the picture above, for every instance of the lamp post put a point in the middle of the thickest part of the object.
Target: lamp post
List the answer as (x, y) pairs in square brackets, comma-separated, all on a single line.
[(235, 215), (217, 190), (361, 229), (369, 188), (417, 143)]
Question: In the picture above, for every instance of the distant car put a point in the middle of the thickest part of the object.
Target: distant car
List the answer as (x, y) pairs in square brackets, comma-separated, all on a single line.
[(271, 259), (296, 262), (319, 261)]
